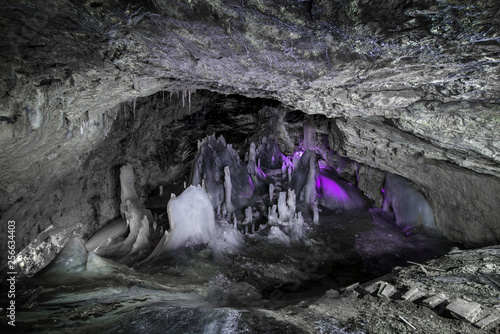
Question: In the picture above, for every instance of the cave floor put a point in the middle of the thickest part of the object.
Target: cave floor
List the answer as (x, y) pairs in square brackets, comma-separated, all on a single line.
[(300, 289)]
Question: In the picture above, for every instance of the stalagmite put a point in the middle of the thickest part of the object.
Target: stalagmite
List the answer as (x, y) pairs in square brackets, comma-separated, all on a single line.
[(228, 188), (271, 193), (284, 212), (315, 213), (291, 202)]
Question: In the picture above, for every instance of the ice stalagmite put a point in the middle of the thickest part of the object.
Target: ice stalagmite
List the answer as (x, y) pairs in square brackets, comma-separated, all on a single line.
[(291, 202), (310, 190), (272, 215), (138, 220), (284, 212), (213, 157), (192, 222), (227, 190), (315, 213), (271, 192), (191, 218), (304, 177), (142, 239)]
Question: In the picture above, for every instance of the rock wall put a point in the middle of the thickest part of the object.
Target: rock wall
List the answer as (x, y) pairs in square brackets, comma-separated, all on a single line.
[(465, 203)]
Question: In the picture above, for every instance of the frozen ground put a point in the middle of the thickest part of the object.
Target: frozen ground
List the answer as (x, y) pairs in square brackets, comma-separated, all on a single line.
[(270, 289)]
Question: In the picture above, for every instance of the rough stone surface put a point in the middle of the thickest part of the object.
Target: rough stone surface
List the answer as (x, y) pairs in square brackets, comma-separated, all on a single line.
[(424, 74), (465, 203)]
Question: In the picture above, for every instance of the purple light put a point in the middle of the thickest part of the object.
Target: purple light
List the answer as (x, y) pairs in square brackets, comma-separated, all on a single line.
[(260, 172), (331, 189)]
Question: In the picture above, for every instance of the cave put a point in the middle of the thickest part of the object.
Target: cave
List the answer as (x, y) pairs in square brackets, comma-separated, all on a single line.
[(250, 166)]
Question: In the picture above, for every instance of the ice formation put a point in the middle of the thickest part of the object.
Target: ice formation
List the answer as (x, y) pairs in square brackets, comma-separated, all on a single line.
[(276, 235), (227, 190), (192, 222), (315, 213), (192, 219), (284, 212), (138, 220), (335, 193), (410, 207), (292, 202), (100, 265), (271, 192), (127, 181), (304, 177), (269, 155), (227, 240), (107, 234), (213, 157), (71, 259)]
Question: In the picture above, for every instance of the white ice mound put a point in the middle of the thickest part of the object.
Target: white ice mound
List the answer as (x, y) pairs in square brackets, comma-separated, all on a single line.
[(100, 265), (410, 207), (191, 219)]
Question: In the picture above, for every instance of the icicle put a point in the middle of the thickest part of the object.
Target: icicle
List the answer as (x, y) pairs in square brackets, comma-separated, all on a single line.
[(272, 216), (271, 192), (290, 174), (299, 225), (315, 213)]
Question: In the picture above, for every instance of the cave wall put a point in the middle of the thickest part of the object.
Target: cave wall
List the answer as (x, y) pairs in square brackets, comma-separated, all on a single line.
[(465, 203), (421, 74)]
